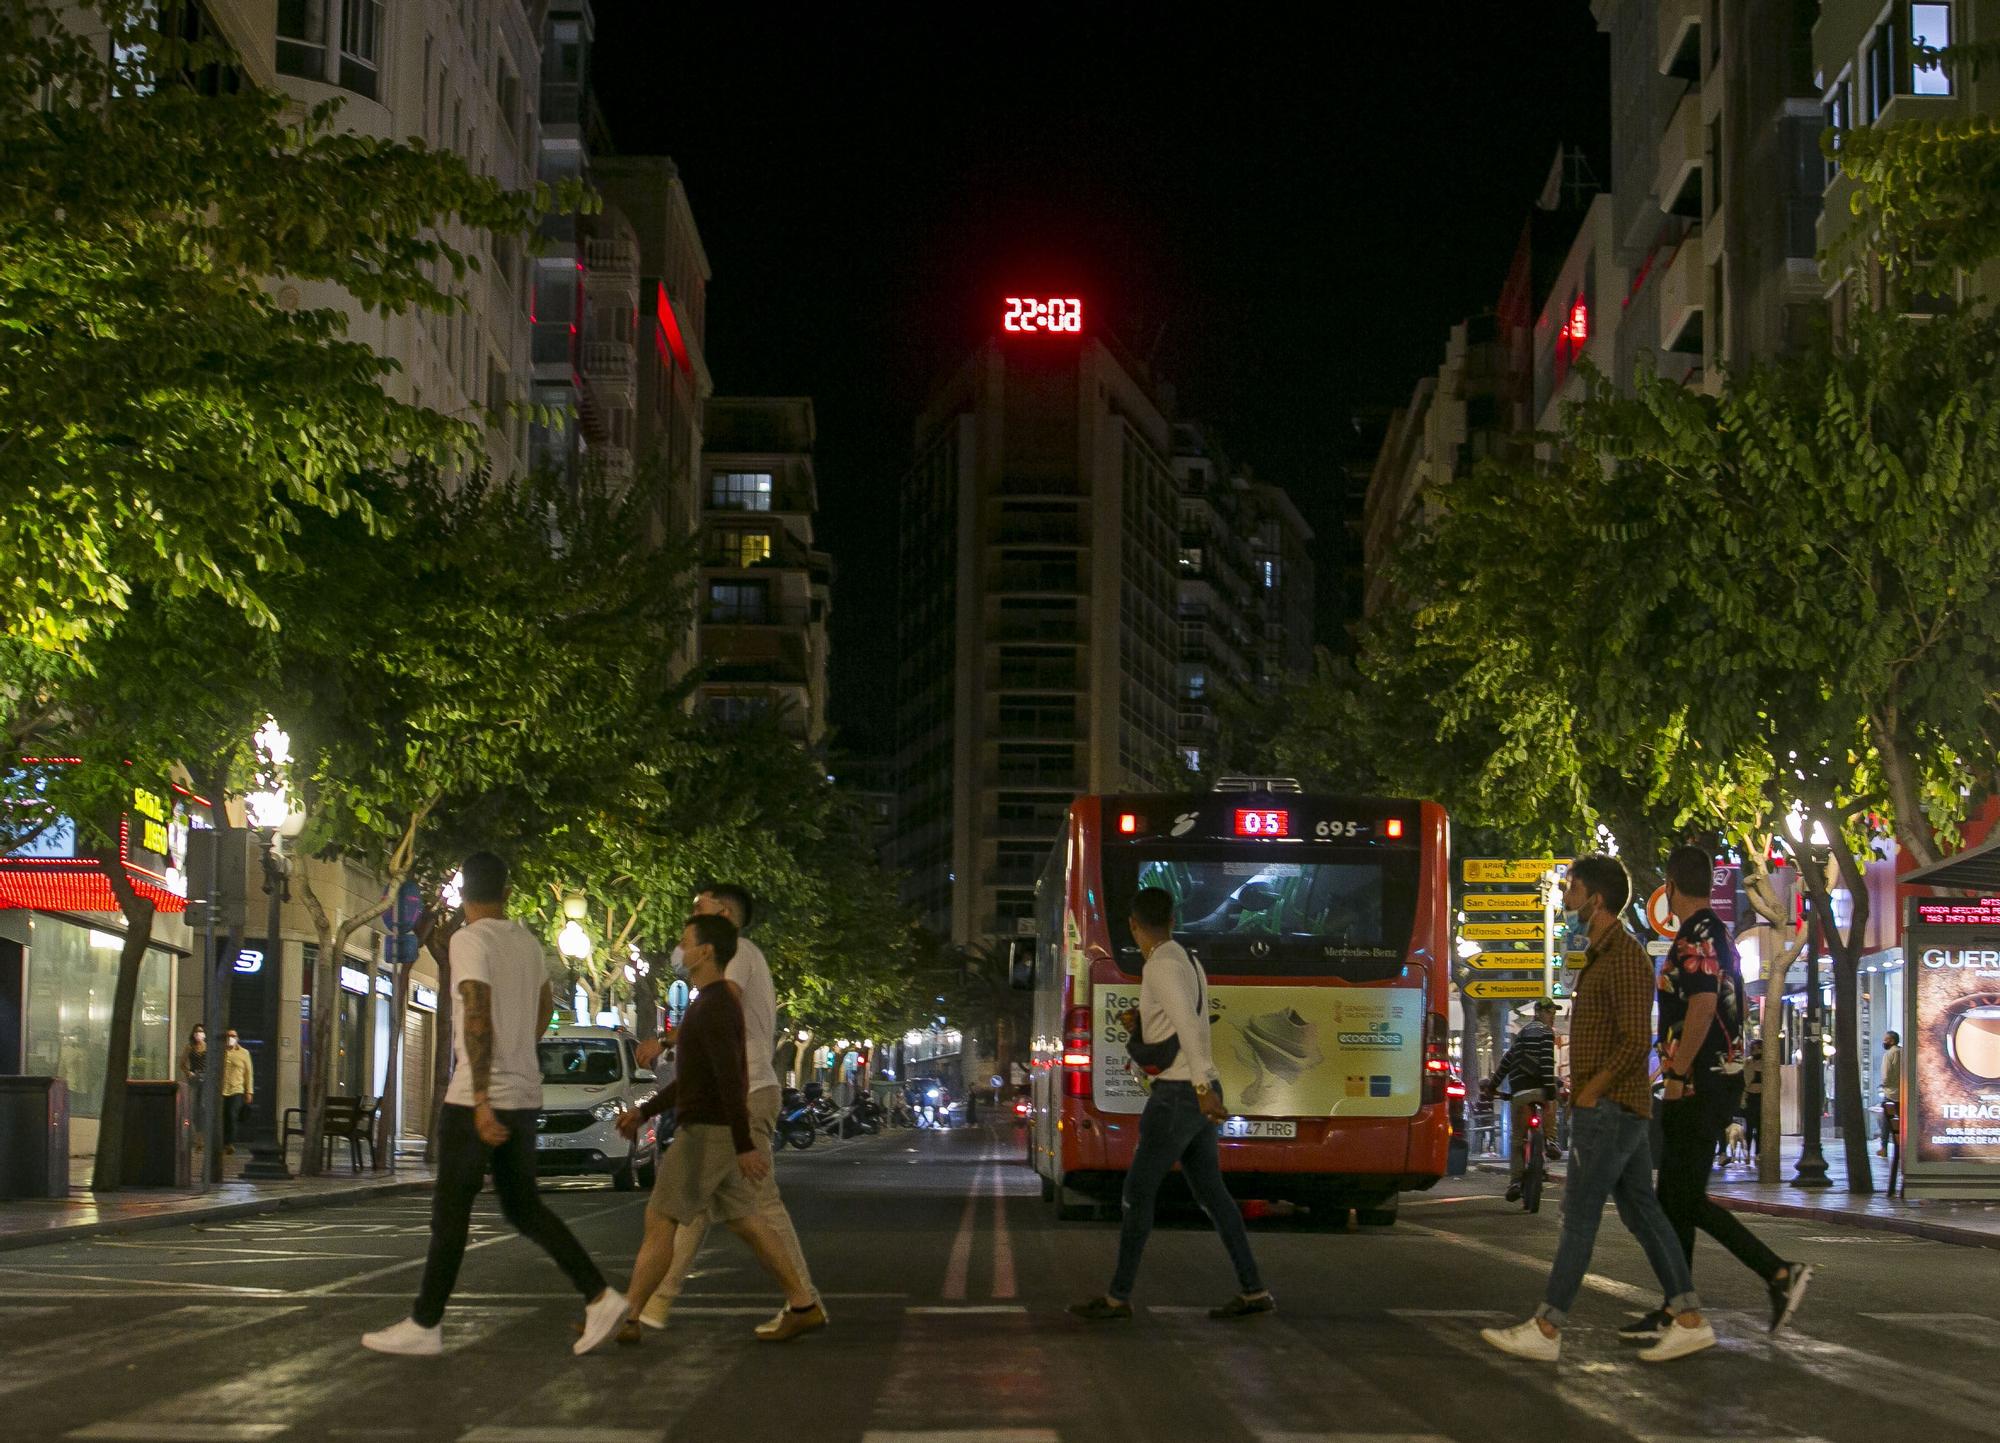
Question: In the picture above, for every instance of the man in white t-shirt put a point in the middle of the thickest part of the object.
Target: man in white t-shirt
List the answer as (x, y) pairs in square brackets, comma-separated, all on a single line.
[(750, 975), (1178, 1124), (505, 1001)]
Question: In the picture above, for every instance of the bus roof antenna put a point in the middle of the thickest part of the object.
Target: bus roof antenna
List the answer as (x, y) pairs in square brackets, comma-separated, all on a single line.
[(1271, 785)]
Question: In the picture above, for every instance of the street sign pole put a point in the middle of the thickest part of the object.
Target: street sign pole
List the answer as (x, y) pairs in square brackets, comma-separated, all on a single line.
[(1549, 933)]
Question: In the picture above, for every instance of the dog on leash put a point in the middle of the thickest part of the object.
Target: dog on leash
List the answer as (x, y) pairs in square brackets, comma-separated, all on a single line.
[(1735, 1142)]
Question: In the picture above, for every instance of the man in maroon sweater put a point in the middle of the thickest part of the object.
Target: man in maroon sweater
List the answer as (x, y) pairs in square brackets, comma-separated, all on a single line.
[(713, 1165)]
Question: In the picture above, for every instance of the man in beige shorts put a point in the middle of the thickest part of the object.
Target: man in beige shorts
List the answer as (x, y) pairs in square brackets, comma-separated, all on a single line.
[(713, 1167), (749, 976)]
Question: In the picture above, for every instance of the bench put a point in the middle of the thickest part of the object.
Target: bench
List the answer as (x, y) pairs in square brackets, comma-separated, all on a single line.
[(352, 1118)]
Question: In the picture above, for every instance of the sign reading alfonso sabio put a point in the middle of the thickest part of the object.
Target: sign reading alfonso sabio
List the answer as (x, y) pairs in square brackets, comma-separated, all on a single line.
[(1951, 1046)]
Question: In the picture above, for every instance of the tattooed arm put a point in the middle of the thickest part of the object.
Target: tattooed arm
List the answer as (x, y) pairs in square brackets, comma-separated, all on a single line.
[(475, 1016)]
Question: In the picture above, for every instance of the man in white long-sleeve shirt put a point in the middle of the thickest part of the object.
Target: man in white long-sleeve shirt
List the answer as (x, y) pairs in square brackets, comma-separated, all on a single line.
[(1178, 1125)]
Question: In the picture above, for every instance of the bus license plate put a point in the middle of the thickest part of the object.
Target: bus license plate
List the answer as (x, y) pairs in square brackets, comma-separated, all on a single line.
[(1258, 1127), (548, 1140)]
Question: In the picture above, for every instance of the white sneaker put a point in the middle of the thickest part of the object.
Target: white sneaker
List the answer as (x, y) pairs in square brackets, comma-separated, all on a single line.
[(656, 1310), (1526, 1340), (1678, 1342), (601, 1319), (409, 1338)]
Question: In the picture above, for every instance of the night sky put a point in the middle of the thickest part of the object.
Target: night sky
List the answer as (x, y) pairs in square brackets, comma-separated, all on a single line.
[(1287, 213)]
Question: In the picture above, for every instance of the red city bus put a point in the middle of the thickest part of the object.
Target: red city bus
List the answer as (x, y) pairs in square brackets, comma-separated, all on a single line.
[(1324, 926)]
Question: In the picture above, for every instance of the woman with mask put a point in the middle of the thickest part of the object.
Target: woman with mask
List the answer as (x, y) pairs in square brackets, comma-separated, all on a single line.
[(194, 1064)]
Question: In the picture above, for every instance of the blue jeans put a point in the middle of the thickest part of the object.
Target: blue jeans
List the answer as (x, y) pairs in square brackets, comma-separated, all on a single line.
[(1172, 1130), (1611, 1158)]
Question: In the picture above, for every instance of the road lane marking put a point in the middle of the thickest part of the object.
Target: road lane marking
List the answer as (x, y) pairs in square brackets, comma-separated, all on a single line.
[(961, 1435), (1274, 1436), (277, 1396), (211, 1289), (37, 1363), (966, 1310), (1974, 1328), (181, 1432), (1003, 1245), (341, 1284), (960, 1262), (1902, 1386), (561, 1434), (1608, 1286)]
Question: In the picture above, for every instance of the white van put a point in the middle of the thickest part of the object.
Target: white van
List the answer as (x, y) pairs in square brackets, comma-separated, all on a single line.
[(589, 1076)]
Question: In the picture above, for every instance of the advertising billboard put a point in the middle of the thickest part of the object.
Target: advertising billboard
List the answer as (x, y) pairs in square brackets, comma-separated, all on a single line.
[(1952, 1049), (1287, 1051)]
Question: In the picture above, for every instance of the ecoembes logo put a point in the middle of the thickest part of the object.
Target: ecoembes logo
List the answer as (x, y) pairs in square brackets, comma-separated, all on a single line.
[(1961, 957), (1377, 1036)]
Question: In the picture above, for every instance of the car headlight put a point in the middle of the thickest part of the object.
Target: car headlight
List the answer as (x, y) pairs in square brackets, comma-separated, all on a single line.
[(606, 1111)]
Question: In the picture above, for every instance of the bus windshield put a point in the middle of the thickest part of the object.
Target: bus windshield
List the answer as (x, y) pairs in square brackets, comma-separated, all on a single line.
[(1346, 914)]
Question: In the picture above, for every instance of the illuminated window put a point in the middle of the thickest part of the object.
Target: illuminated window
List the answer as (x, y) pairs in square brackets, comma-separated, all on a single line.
[(745, 548), (1930, 26), (740, 490)]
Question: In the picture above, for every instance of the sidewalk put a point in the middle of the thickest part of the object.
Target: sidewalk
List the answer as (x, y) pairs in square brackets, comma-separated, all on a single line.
[(30, 1222), (1970, 1224)]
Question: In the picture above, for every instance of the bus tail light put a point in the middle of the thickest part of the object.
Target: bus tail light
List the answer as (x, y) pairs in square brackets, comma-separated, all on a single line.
[(1437, 1060), (1076, 1052), (1393, 828)]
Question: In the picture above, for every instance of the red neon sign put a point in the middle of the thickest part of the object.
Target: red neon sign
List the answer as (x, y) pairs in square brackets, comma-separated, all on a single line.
[(1263, 822), (1579, 323), (1060, 315), (669, 337)]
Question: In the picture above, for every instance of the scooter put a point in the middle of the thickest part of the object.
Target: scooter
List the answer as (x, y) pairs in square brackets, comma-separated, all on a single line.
[(796, 1126)]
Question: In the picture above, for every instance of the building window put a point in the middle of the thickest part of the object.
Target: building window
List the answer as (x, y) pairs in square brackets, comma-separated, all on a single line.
[(732, 710), (745, 548), (1197, 683), (302, 38), (1191, 758), (361, 47), (740, 490), (738, 601), (1930, 27), (72, 974), (1838, 110)]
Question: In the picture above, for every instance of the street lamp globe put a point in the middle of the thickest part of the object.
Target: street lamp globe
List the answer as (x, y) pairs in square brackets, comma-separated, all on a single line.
[(270, 808), (573, 942)]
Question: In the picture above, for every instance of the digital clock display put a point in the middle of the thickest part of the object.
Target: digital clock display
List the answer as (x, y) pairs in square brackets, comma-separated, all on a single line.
[(1263, 822), (1061, 315)]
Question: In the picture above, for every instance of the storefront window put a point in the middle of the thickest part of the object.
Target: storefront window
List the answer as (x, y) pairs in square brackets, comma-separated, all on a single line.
[(72, 976)]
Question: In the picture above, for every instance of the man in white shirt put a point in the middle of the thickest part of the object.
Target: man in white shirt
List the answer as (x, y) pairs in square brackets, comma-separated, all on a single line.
[(750, 975), (1178, 1125), (505, 1002)]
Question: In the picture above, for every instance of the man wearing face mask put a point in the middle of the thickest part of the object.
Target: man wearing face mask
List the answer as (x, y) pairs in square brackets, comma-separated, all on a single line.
[(239, 1089), (749, 976), (1611, 1026)]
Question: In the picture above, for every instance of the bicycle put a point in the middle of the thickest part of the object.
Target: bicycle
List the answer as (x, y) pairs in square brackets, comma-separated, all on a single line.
[(1532, 1149)]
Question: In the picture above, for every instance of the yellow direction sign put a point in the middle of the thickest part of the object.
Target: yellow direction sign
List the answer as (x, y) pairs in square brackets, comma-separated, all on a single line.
[(1505, 961), (1515, 870), (1494, 989), (1501, 902), (1503, 932)]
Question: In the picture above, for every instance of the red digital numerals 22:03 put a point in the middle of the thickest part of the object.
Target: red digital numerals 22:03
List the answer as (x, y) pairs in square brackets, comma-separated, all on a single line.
[(1063, 314)]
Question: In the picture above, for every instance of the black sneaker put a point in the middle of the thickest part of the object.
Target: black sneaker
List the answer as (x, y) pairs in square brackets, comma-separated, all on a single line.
[(1787, 1295), (1513, 1192), (1647, 1327), (1242, 1306), (1102, 1310)]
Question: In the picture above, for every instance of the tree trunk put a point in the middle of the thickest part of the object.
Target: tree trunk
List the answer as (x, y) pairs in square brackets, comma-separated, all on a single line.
[(392, 1077), (332, 943), (441, 1048), (1849, 1113), (108, 1174), (1913, 828)]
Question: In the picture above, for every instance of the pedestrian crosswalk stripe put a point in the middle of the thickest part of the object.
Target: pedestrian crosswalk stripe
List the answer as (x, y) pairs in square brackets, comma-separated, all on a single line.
[(1974, 1328), (1902, 1386), (160, 1432), (966, 1309), (1352, 1438), (32, 1364), (962, 1435), (561, 1434)]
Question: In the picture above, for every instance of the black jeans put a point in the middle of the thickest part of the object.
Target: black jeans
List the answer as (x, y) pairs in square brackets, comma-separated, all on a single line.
[(1692, 1126), (1753, 1122), (462, 1164), (1172, 1130), (233, 1108)]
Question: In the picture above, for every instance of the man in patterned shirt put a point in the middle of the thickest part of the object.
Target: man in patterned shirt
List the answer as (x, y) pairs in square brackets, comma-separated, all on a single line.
[(1701, 1034), (1610, 1028)]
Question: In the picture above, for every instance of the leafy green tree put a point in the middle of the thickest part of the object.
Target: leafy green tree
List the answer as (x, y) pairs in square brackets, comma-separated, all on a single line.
[(166, 409)]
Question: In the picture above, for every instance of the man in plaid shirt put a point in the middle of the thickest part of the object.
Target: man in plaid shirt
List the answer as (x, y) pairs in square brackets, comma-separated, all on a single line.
[(1611, 1029)]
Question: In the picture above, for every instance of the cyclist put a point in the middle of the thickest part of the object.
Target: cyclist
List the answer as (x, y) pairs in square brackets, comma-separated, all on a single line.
[(1528, 1072)]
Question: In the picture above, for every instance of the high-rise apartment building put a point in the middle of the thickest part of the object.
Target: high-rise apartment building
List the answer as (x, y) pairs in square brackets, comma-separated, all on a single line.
[(1040, 542), (764, 588)]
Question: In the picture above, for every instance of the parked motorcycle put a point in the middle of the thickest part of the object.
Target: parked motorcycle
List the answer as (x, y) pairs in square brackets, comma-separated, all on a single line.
[(796, 1125)]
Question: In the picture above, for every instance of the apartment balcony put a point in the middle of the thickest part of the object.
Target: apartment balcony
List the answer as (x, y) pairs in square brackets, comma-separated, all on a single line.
[(737, 655), (1680, 297), (1679, 49), (1042, 577), (1053, 674), (749, 616), (1056, 630), (612, 259), (1038, 531), (1677, 183)]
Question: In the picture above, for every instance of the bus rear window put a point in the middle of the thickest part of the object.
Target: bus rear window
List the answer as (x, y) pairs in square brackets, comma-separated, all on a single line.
[(1348, 916)]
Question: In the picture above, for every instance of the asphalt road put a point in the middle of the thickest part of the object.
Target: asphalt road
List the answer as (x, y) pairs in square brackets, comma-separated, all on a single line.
[(946, 1277)]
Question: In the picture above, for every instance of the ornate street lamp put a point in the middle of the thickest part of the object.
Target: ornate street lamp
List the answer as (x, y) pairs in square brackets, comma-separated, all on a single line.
[(1811, 845), (272, 815)]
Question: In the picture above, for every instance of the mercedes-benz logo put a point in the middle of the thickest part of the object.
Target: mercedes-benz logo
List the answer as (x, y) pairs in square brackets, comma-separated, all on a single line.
[(1260, 948)]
